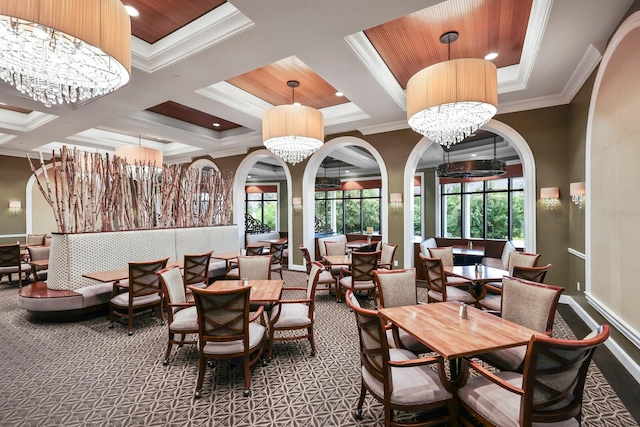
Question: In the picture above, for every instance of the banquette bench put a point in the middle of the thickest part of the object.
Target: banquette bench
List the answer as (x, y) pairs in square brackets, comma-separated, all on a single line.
[(73, 255)]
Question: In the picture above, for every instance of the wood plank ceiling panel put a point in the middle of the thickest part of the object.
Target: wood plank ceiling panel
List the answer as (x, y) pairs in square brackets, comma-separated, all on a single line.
[(412, 42), (159, 18), (16, 109), (269, 83), (193, 116)]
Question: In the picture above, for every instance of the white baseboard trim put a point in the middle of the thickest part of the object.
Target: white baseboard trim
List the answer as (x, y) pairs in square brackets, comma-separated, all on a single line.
[(295, 267), (617, 351)]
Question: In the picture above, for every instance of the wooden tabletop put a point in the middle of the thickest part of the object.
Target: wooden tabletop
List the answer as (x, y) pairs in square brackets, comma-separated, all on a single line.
[(358, 243), (438, 326), (227, 256), (466, 251), (39, 263), (118, 274), (275, 241), (484, 274), (261, 290), (338, 259)]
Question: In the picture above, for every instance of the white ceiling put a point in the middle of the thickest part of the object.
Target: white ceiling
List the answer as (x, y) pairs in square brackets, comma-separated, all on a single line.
[(563, 46)]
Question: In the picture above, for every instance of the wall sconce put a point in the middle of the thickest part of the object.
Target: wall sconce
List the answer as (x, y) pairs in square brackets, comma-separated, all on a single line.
[(395, 199), (550, 197), (297, 203), (577, 191), (15, 206)]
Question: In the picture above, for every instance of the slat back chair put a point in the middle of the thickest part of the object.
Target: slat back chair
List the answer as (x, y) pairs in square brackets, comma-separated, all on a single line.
[(196, 269), (142, 291), (387, 254), (226, 331), (360, 277), (552, 384), (182, 315), (438, 290), (391, 375), (325, 278), (276, 251), (254, 250), (11, 262)]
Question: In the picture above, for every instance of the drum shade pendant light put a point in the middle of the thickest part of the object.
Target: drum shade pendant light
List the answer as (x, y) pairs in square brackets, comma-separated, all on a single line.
[(140, 156), (292, 132), (448, 101), (64, 50)]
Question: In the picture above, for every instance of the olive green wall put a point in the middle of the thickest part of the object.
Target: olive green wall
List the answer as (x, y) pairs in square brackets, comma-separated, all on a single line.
[(429, 202), (13, 183)]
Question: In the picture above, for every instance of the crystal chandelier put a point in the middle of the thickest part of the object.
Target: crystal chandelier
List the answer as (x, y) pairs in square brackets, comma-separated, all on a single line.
[(64, 50), (448, 101), (292, 132)]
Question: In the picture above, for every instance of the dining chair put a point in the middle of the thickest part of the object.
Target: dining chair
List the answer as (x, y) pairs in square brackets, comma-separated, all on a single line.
[(332, 249), (276, 251), (196, 270), (360, 277), (398, 288), (181, 314), (492, 299), (397, 378), (387, 253), (325, 278), (521, 259), (438, 288), (549, 390), (37, 253), (11, 263), (142, 290), (251, 250), (226, 331), (529, 304), (255, 267), (296, 314), (35, 239), (446, 255)]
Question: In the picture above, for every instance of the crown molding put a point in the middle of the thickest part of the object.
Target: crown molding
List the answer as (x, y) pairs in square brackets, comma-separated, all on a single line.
[(384, 127), (236, 98), (5, 138), (24, 122), (221, 23)]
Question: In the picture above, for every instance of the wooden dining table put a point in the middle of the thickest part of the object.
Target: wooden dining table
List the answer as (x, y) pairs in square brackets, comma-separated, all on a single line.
[(282, 240), (439, 327), (338, 260), (226, 257), (119, 274), (478, 274), (262, 291)]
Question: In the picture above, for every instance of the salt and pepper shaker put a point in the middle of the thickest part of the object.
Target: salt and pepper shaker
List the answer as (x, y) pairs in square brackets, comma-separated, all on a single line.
[(463, 311), (245, 281)]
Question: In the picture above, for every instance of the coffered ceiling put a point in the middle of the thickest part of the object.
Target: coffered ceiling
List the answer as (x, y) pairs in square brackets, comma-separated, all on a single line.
[(201, 62)]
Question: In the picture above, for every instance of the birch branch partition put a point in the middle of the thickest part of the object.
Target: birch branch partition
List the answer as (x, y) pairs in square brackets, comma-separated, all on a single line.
[(90, 192)]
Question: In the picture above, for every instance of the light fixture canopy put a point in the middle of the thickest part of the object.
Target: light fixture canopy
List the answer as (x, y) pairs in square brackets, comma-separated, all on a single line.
[(292, 132), (64, 50), (448, 101)]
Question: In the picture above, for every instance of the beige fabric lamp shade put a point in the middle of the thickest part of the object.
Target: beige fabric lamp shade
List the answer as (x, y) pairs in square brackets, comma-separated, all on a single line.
[(448, 101), (142, 156), (577, 189), (549, 193), (292, 132), (90, 41)]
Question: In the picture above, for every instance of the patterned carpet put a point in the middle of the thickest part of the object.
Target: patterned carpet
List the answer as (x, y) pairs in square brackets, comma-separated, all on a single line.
[(84, 374)]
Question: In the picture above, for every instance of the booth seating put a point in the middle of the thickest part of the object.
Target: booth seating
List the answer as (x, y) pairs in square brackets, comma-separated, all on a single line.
[(255, 239), (73, 255)]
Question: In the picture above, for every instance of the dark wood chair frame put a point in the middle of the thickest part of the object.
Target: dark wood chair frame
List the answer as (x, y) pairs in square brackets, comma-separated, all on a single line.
[(276, 251), (10, 257), (389, 265), (307, 258), (373, 326), (196, 269), (136, 287), (212, 331), (363, 264), (435, 265)]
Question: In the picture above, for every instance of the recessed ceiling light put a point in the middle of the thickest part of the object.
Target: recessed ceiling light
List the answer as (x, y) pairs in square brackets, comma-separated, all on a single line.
[(296, 104), (346, 171), (473, 155), (132, 11), (338, 93), (491, 56), (248, 176), (216, 125)]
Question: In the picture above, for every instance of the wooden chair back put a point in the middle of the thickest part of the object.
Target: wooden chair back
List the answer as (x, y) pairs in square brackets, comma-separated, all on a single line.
[(143, 279), (397, 288), (254, 250), (35, 239), (223, 315), (532, 274), (436, 278), (363, 264), (10, 255), (521, 259), (335, 248), (312, 283), (37, 253), (276, 250), (173, 289), (307, 258), (530, 304), (196, 268), (554, 376), (444, 253), (255, 267), (387, 253)]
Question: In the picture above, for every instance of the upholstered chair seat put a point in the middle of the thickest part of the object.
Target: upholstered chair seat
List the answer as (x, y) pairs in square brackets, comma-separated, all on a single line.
[(185, 320), (288, 315), (326, 276), (453, 294), (358, 285), (137, 301), (360, 277), (256, 337)]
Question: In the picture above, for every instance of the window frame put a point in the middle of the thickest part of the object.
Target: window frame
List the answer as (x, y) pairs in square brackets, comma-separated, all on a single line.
[(262, 200)]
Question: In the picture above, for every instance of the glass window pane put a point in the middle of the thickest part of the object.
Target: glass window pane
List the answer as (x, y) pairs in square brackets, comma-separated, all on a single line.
[(254, 196), (371, 213), (339, 228), (474, 187), (497, 216), (371, 192), (351, 194), (352, 216), (417, 219), (452, 220), (270, 209), (517, 217), (270, 196), (451, 188), (417, 190), (517, 183), (255, 210), (476, 205), (498, 184)]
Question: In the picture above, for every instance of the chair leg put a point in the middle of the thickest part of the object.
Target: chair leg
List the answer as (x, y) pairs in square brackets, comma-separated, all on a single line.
[(167, 354), (111, 316), (247, 375), (161, 310), (202, 367), (130, 321), (312, 340), (271, 334), (338, 292), (363, 393)]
